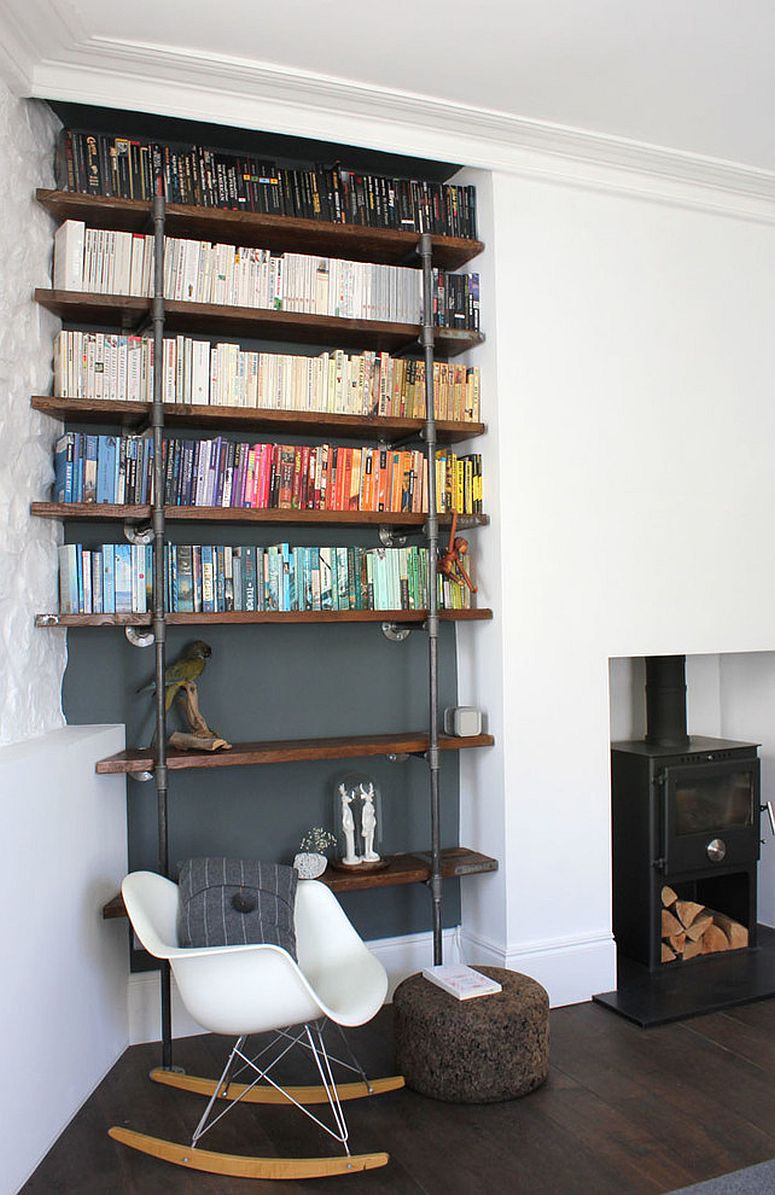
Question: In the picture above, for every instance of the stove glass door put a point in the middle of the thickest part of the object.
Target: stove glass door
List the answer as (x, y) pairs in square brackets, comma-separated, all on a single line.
[(711, 814)]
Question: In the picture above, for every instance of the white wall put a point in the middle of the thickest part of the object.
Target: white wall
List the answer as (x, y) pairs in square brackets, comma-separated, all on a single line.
[(635, 428), (31, 661), (480, 659), (63, 994)]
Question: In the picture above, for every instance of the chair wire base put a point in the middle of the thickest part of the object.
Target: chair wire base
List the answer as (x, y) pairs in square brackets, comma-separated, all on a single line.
[(310, 1037)]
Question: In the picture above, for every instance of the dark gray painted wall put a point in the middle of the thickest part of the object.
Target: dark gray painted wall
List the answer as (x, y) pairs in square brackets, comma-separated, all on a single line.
[(266, 682)]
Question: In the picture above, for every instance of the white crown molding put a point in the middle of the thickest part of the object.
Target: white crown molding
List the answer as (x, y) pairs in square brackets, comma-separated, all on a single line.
[(218, 88), (261, 95)]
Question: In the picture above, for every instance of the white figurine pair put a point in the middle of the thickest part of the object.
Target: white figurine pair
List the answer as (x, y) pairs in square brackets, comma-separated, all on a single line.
[(368, 825)]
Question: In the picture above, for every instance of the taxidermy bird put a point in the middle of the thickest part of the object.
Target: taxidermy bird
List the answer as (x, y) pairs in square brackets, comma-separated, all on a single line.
[(189, 666)]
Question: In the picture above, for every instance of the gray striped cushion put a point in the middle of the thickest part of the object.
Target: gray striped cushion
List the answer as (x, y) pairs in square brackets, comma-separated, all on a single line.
[(229, 902)]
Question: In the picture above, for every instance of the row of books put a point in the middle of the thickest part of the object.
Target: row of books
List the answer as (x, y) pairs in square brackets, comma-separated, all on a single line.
[(103, 469), (215, 578), (262, 476), (220, 472), (105, 261), (125, 167), (101, 365)]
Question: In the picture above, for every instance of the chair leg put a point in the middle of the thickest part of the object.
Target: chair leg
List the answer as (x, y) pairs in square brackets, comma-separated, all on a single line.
[(353, 1056), (222, 1087), (323, 1064), (222, 1084)]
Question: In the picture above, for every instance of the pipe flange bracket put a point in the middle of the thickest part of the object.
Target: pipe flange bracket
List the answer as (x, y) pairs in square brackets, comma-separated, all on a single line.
[(140, 636), (47, 620), (138, 533), (141, 777), (395, 633), (390, 538)]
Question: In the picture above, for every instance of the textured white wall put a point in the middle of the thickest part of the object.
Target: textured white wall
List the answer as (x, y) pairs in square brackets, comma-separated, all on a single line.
[(31, 661)]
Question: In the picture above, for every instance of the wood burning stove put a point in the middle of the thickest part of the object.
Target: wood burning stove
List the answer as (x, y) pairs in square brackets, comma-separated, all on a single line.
[(690, 821), (685, 812), (686, 822)]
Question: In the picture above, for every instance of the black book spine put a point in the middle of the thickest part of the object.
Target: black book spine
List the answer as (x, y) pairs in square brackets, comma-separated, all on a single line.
[(64, 176), (92, 164)]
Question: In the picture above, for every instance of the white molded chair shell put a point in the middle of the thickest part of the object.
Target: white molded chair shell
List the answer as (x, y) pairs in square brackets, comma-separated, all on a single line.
[(240, 990)]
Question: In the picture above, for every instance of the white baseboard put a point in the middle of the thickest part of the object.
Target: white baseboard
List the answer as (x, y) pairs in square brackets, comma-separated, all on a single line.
[(571, 969), (399, 956)]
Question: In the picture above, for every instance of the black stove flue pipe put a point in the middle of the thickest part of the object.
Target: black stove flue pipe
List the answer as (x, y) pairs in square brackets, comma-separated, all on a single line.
[(666, 701)]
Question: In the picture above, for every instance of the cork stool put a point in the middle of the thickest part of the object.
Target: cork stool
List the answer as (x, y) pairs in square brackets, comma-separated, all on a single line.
[(474, 1051)]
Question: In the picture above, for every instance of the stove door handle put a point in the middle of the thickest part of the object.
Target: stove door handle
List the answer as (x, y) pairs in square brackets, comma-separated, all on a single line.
[(770, 814)]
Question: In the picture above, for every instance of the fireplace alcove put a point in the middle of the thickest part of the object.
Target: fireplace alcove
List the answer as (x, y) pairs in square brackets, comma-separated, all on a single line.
[(685, 820)]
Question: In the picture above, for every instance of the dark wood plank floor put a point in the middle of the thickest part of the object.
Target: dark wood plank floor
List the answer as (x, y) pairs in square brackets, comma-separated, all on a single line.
[(624, 1111)]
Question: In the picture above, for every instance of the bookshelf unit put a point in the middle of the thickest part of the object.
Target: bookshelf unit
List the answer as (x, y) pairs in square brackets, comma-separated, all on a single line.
[(128, 314)]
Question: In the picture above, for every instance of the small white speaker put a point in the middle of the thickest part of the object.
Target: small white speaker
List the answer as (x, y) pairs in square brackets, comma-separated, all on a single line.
[(462, 721)]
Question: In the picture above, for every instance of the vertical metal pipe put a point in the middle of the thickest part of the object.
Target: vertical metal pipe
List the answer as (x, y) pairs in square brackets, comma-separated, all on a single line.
[(432, 535), (159, 614)]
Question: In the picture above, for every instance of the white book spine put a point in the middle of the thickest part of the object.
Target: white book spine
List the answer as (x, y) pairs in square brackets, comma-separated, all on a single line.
[(201, 372), (69, 241)]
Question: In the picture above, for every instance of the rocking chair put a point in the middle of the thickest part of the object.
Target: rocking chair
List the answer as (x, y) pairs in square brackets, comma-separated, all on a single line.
[(241, 990)]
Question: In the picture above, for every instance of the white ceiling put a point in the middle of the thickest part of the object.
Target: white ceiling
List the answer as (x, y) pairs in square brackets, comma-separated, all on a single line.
[(693, 75)]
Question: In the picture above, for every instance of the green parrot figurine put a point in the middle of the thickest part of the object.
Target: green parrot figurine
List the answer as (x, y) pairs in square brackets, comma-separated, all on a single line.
[(189, 666)]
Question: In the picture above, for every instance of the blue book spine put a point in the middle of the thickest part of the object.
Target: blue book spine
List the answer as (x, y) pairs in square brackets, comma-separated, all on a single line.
[(272, 579), (111, 466), (123, 578), (184, 577), (342, 580), (171, 577), (102, 479), (78, 450), (326, 596), (208, 580), (308, 565), (139, 585), (108, 580), (298, 578), (287, 597), (90, 469), (96, 581), (196, 572), (249, 575), (220, 578), (260, 562), (239, 596), (79, 578)]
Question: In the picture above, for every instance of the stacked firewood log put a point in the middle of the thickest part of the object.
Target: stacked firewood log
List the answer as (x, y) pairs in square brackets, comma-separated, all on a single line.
[(690, 929)]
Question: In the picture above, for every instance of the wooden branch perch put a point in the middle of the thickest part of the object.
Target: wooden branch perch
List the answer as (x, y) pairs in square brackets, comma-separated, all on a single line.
[(201, 737)]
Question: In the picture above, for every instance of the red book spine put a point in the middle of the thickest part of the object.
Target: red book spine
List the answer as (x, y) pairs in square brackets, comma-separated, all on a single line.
[(344, 491), (333, 471), (296, 482)]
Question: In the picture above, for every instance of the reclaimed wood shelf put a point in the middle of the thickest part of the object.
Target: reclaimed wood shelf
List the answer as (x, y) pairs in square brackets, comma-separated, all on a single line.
[(388, 246), (287, 751), (244, 514), (240, 419), (237, 617), (456, 862), (128, 312)]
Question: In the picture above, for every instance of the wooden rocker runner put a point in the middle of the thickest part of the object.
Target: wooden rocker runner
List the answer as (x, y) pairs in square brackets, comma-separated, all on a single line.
[(242, 990)]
